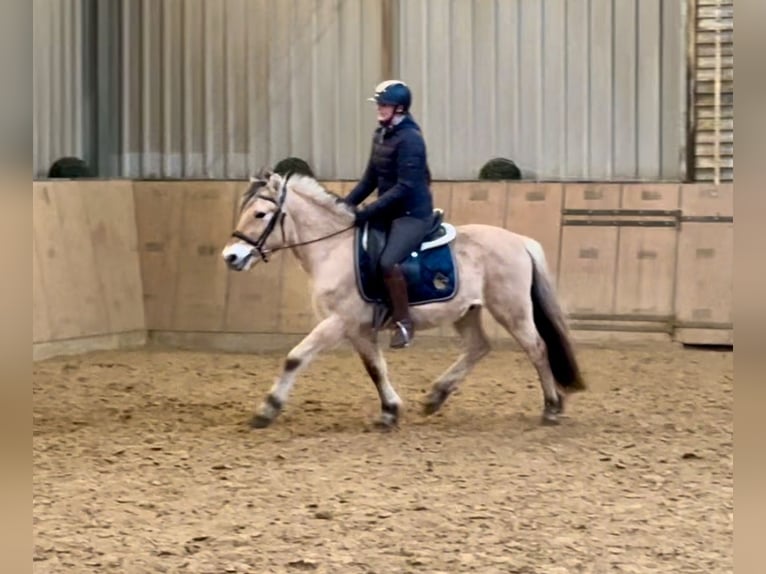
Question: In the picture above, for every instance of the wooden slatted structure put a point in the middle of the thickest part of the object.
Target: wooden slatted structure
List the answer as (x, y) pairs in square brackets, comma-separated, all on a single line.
[(712, 88)]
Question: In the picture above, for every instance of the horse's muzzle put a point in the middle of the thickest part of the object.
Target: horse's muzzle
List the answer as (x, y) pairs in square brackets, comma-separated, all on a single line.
[(238, 256)]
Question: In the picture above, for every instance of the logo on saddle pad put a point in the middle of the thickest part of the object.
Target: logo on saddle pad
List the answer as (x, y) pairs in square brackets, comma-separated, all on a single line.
[(430, 272)]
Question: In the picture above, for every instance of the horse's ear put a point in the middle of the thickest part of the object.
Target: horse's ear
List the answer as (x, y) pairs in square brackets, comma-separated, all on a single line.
[(275, 181), (264, 173)]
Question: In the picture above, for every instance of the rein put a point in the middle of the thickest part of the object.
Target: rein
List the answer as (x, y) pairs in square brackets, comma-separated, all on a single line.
[(258, 244)]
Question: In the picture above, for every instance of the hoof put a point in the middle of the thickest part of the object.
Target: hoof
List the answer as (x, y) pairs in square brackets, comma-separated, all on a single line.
[(434, 402), (260, 421), (267, 413), (550, 419), (431, 407), (552, 408), (388, 419), (385, 424)]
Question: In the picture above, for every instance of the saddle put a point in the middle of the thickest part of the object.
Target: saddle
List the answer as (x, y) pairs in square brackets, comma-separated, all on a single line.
[(430, 271)]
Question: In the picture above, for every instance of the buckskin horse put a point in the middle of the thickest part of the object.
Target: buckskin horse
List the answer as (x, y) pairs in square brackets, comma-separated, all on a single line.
[(458, 271)]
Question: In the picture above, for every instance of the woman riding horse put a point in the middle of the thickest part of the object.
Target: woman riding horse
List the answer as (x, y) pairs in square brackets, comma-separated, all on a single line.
[(398, 168)]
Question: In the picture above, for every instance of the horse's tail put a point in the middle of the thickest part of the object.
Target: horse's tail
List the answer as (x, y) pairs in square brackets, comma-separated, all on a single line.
[(551, 324)]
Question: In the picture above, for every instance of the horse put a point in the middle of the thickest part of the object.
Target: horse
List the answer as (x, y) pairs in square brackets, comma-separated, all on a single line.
[(471, 267)]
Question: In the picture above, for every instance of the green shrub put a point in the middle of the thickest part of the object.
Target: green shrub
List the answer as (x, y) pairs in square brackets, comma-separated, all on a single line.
[(69, 168), (293, 165), (499, 168)]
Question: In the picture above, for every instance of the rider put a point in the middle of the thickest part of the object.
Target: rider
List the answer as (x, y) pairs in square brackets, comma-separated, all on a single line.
[(398, 168)]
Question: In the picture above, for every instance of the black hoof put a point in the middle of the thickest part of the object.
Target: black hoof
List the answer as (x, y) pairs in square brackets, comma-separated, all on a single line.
[(260, 421), (434, 402), (431, 407)]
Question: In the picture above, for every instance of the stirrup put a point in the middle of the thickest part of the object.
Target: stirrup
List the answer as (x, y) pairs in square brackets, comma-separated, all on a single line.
[(401, 329)]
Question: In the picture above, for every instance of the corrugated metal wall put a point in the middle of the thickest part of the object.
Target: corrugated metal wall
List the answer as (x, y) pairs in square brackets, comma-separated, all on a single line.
[(217, 89), (59, 112), (570, 89), (577, 89)]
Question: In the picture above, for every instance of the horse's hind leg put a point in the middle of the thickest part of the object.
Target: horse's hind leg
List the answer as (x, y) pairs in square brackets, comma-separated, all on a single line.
[(522, 328), (476, 346), (324, 336), (375, 364)]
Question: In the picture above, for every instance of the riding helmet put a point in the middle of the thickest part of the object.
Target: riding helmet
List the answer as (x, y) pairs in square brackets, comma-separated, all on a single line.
[(392, 93)]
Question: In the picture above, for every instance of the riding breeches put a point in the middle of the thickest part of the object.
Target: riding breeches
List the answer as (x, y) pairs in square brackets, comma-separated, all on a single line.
[(405, 236)]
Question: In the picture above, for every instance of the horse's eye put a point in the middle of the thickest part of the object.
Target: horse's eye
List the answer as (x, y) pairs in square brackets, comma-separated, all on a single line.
[(260, 214)]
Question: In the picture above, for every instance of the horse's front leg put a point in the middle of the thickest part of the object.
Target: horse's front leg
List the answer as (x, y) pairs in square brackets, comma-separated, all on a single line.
[(375, 364), (324, 336)]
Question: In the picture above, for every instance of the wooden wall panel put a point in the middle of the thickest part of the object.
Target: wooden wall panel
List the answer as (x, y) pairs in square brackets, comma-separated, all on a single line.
[(68, 275), (41, 329), (707, 199), (478, 202), (651, 196), (587, 268), (592, 196), (442, 193), (110, 213), (588, 254), (206, 224), (88, 276), (159, 210), (646, 263), (86, 273), (85, 291), (647, 255), (704, 275)]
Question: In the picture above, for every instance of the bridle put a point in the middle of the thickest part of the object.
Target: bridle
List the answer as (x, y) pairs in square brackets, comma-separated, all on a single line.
[(278, 217)]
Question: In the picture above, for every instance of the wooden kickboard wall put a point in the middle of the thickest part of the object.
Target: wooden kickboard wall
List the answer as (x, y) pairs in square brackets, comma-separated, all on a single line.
[(86, 272), (121, 256)]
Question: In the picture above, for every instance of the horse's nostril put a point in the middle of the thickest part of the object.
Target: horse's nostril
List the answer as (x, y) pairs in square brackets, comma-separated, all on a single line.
[(231, 258)]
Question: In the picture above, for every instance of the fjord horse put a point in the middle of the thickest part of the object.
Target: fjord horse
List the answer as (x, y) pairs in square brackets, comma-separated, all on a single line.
[(498, 269)]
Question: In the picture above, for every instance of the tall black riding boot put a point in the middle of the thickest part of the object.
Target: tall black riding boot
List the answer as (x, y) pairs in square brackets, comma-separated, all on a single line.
[(403, 329)]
